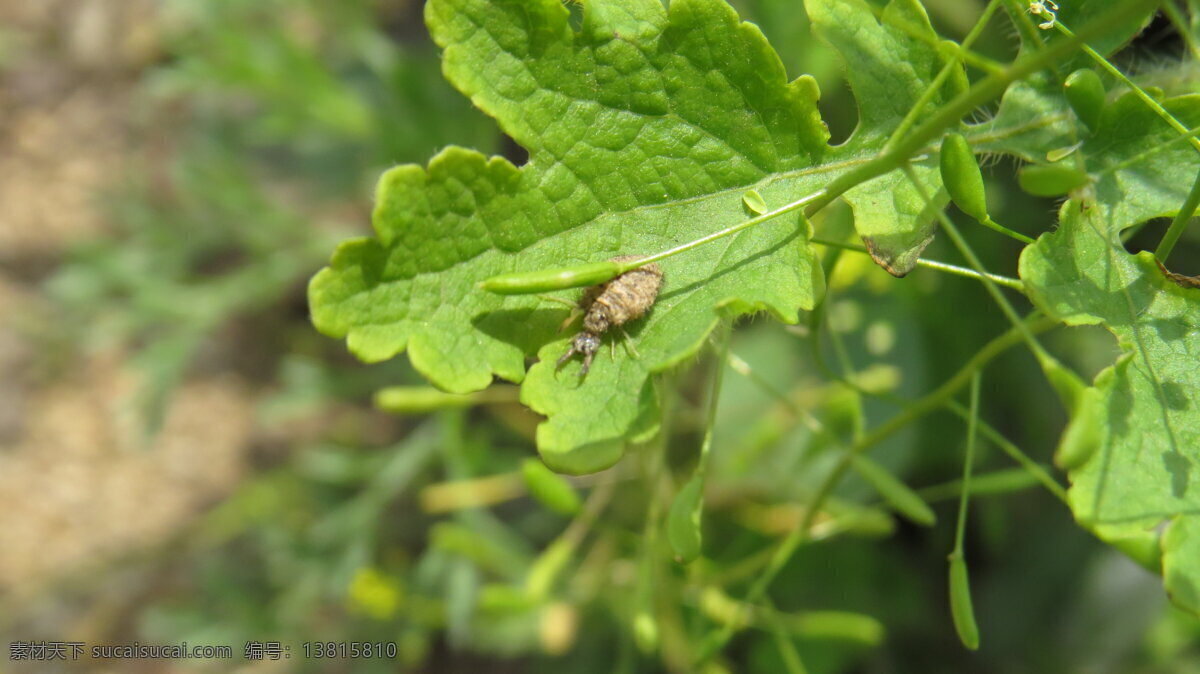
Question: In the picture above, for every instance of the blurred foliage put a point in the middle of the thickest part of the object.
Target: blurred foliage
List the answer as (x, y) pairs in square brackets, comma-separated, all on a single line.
[(264, 125)]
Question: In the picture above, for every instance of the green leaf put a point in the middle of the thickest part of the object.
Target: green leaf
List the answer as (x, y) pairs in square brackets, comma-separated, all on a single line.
[(644, 131), (1076, 13), (1141, 479)]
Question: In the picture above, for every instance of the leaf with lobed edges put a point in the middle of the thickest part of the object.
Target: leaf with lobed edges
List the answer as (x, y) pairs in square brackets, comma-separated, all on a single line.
[(1139, 488), (644, 131)]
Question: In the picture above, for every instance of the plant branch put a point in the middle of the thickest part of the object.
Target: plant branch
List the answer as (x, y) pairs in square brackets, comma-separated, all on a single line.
[(1005, 281), (918, 409)]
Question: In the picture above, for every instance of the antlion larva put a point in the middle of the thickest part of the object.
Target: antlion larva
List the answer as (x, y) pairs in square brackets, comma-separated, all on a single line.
[(612, 304)]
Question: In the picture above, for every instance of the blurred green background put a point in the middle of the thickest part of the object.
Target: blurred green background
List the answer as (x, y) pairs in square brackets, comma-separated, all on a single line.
[(183, 458)]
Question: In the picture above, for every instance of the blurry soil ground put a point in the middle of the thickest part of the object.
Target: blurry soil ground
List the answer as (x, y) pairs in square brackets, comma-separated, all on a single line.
[(81, 484)]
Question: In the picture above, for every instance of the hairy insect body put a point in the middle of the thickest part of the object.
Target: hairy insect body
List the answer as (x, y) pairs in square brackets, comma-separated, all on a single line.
[(612, 304)]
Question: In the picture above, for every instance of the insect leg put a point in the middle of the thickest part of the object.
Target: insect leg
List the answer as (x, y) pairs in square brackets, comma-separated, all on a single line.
[(629, 344)]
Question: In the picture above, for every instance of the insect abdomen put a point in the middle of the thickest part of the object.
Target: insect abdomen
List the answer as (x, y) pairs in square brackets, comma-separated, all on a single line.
[(625, 298)]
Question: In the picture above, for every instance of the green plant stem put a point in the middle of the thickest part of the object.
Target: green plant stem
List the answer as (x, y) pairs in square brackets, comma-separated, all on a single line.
[(734, 229), (940, 79), (982, 92), (950, 114), (926, 404), (1037, 470), (968, 465), (915, 32), (1005, 281), (1004, 481), (1138, 91), (714, 397), (997, 227), (1036, 325), (783, 641), (647, 563), (1181, 27), (1180, 223), (988, 284)]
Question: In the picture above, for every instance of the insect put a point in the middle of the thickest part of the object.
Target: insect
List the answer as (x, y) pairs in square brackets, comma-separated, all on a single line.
[(612, 304)]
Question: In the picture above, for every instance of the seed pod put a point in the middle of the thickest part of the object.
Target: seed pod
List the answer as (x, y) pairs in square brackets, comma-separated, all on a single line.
[(549, 488), (899, 496), (421, 399), (683, 521), (961, 176), (547, 568), (524, 283), (1082, 437), (1068, 385), (645, 631), (1085, 92), (1051, 180), (961, 608)]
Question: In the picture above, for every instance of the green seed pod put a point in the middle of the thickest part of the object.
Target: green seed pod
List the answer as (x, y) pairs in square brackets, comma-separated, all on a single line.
[(857, 628), (683, 522), (897, 494), (550, 488), (1085, 92), (1082, 437), (961, 176), (524, 283), (1051, 180), (645, 632), (754, 202), (1068, 385), (421, 399), (505, 599), (546, 569), (961, 608)]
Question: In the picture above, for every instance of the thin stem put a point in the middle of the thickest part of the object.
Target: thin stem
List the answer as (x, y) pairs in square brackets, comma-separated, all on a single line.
[(1037, 470), (723, 340), (1005, 281), (982, 92), (1141, 93), (968, 465), (988, 284), (756, 220), (934, 87), (995, 226), (918, 409), (1037, 324), (917, 33), (1181, 26), (787, 650), (1003, 481), (1180, 223)]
